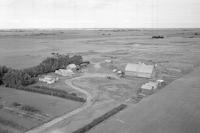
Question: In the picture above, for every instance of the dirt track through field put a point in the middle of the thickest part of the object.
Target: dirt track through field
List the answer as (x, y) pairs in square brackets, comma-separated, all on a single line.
[(88, 103), (59, 119)]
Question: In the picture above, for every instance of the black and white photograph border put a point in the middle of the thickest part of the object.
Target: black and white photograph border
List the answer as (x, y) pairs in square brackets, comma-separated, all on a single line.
[(99, 66)]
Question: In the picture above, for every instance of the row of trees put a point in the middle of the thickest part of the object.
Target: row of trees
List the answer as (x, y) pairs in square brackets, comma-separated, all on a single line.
[(100, 119), (53, 63), (18, 78)]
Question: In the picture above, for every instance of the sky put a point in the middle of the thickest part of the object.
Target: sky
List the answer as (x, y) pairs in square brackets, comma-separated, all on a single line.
[(99, 14)]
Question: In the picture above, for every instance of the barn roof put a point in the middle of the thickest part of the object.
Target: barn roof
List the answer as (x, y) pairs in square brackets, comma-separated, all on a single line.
[(140, 68)]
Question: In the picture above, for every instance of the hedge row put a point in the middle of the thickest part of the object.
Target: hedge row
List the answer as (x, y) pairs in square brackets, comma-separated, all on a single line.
[(52, 92), (11, 124), (101, 119)]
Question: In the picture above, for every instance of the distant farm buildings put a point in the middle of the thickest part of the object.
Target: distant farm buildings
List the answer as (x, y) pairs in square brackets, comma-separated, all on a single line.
[(157, 37), (48, 79), (151, 86), (139, 70)]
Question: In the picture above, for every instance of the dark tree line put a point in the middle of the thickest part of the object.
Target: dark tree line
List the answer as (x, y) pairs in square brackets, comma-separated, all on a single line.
[(100, 119), (3, 71), (17, 78)]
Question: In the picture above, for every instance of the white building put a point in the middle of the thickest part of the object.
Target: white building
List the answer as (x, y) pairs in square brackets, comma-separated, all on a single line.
[(48, 79), (71, 67), (64, 72), (139, 70), (150, 86), (108, 61), (114, 70)]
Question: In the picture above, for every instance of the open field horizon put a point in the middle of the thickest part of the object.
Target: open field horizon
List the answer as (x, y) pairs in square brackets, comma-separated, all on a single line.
[(34, 45)]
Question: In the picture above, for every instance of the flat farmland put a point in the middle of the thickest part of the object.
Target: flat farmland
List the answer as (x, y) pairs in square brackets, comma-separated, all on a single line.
[(175, 55), (50, 107)]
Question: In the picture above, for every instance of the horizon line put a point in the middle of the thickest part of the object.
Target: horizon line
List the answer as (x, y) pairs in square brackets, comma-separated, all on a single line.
[(92, 28)]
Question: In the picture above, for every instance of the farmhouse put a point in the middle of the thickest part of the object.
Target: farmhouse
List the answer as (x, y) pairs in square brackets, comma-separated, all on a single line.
[(48, 79), (139, 70)]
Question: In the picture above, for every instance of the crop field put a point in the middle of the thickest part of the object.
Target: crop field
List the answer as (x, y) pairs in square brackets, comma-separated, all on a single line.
[(44, 109)]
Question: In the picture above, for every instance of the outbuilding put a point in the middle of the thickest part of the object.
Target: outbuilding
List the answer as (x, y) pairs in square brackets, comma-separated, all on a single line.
[(48, 79), (71, 66), (64, 72), (108, 61), (150, 86), (139, 70)]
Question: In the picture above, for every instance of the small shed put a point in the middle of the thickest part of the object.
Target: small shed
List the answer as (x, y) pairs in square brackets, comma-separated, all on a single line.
[(119, 72), (71, 66), (108, 61), (139, 70), (114, 70), (150, 86)]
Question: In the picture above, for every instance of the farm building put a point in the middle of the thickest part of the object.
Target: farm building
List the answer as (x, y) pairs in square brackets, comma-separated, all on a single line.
[(139, 70), (108, 61), (71, 67), (48, 79), (150, 86), (64, 72)]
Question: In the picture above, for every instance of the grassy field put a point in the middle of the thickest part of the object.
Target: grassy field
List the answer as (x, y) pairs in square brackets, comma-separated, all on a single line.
[(28, 48), (47, 105), (175, 109), (176, 54)]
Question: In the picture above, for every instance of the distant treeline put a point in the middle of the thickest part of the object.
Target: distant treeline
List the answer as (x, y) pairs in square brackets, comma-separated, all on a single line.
[(15, 78)]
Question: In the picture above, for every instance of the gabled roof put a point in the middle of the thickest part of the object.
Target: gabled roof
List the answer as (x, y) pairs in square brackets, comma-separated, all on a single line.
[(71, 66), (141, 68), (150, 85)]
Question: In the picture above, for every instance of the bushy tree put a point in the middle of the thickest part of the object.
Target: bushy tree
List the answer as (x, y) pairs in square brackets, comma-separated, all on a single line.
[(3, 71), (51, 64), (32, 71), (63, 61), (76, 59), (17, 78)]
